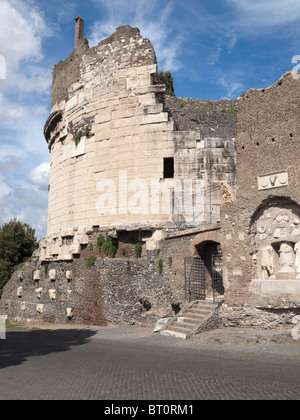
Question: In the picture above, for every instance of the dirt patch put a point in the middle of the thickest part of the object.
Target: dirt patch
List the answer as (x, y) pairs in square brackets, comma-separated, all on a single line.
[(232, 337)]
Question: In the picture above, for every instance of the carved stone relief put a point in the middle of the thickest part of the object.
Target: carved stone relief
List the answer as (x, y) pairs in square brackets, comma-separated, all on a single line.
[(278, 242), (267, 262), (273, 181), (286, 258), (297, 259)]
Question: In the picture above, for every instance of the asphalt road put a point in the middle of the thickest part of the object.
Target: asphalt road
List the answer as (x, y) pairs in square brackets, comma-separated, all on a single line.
[(128, 363)]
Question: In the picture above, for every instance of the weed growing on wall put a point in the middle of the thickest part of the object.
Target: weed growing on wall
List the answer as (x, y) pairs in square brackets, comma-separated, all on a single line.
[(90, 261), (106, 247), (138, 250)]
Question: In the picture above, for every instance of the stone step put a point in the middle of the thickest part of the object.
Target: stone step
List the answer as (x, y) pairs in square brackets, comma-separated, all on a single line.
[(187, 320), (182, 325), (204, 303), (179, 329), (194, 315), (203, 311), (173, 334)]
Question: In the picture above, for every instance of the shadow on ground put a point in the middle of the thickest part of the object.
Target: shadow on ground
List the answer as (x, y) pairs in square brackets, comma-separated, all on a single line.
[(21, 345)]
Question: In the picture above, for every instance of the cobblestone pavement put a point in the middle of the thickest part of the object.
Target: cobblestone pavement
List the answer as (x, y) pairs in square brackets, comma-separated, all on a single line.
[(132, 363)]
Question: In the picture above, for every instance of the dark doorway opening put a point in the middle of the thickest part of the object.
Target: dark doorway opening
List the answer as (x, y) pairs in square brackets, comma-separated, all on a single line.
[(168, 168), (211, 254)]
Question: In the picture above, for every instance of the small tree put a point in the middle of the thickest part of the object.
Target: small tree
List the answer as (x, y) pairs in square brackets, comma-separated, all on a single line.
[(167, 79), (17, 243)]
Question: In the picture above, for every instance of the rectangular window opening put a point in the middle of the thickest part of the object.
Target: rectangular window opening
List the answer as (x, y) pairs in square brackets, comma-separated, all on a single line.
[(168, 168)]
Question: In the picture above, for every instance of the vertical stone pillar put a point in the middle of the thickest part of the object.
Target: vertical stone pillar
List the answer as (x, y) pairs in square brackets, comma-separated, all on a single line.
[(79, 30)]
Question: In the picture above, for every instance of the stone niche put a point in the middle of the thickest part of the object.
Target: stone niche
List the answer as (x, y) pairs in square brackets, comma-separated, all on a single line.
[(276, 249)]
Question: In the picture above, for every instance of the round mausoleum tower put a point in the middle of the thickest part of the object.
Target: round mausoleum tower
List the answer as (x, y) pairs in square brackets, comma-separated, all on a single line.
[(110, 141)]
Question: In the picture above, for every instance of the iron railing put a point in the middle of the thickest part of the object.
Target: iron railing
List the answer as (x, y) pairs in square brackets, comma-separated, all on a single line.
[(194, 272)]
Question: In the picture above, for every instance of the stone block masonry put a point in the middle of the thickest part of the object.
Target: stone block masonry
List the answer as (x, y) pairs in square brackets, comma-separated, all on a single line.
[(109, 135), (112, 291)]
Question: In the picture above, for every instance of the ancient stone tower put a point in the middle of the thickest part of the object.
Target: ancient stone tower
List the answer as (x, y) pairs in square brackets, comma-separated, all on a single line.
[(134, 168), (117, 159)]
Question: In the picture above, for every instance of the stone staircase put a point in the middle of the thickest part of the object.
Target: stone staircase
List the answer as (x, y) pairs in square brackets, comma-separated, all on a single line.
[(190, 319)]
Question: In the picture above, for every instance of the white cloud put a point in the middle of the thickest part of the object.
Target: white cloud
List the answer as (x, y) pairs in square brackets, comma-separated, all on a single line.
[(214, 56), (24, 195), (19, 34), (4, 189), (254, 14), (22, 28), (39, 176), (10, 164), (232, 87), (24, 202), (11, 111)]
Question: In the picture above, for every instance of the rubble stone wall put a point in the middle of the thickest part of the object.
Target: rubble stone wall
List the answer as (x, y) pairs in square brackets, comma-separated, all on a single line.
[(264, 218), (108, 291)]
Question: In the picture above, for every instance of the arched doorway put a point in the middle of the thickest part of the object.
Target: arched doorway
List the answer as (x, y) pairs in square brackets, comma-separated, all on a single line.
[(204, 271)]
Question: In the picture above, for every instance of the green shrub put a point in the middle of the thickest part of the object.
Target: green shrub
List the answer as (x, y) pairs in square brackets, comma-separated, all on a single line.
[(78, 138), (138, 250), (160, 266), (167, 79), (90, 261), (46, 269), (106, 247), (100, 242)]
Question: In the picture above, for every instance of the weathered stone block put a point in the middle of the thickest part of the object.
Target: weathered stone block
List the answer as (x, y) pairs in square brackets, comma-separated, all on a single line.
[(69, 275), (52, 294), (52, 275), (40, 308), (39, 292), (37, 275)]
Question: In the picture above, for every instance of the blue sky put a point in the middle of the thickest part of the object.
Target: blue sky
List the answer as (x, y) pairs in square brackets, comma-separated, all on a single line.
[(214, 48)]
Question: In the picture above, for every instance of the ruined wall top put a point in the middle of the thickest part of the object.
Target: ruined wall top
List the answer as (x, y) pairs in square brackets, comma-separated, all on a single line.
[(211, 118), (136, 51), (268, 132)]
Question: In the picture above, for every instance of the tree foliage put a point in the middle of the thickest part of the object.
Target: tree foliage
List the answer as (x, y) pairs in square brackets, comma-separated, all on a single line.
[(167, 79), (17, 243)]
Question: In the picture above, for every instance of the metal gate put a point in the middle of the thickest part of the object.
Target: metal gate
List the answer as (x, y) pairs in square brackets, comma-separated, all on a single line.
[(194, 273), (217, 278)]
